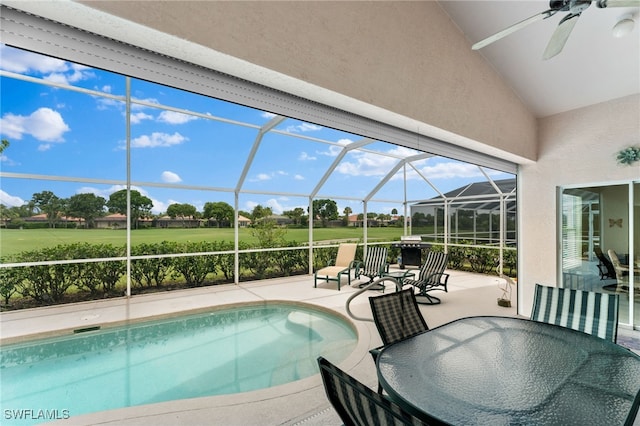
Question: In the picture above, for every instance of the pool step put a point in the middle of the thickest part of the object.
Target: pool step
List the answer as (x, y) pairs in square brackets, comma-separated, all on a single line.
[(308, 323)]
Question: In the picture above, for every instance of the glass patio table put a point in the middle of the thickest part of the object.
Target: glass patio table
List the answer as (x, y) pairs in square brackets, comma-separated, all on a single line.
[(498, 371)]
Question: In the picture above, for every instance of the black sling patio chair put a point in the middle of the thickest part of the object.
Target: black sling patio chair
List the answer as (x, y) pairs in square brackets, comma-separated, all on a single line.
[(358, 405), (374, 265), (605, 267), (397, 317), (431, 277)]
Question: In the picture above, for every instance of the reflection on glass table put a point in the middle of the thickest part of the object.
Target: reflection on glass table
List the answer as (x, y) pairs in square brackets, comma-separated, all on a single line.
[(495, 370)]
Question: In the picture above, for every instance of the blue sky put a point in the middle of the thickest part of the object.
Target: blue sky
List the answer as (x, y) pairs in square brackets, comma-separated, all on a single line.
[(81, 137)]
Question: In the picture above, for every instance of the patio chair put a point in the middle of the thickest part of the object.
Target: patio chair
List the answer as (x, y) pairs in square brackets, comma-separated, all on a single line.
[(605, 267), (375, 264), (586, 311), (397, 317), (343, 264), (358, 405), (431, 277), (621, 271)]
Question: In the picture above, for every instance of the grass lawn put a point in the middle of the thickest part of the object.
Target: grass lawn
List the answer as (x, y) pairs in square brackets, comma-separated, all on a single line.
[(13, 241)]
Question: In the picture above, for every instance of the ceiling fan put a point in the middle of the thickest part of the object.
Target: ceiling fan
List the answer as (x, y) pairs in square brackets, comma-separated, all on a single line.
[(563, 30)]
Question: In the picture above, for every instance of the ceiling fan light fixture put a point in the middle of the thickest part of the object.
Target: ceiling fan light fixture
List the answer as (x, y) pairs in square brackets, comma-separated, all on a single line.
[(624, 26)]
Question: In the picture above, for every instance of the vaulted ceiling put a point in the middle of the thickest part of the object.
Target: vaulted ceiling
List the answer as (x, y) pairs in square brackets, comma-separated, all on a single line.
[(593, 67)]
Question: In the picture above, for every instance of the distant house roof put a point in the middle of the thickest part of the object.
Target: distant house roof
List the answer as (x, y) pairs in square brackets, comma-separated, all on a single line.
[(480, 190), (114, 216), (42, 217)]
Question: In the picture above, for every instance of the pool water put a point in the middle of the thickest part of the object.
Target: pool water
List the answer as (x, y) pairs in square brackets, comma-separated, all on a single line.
[(221, 352)]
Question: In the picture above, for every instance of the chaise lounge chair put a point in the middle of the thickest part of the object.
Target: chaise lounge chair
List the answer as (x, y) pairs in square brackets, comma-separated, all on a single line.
[(343, 264)]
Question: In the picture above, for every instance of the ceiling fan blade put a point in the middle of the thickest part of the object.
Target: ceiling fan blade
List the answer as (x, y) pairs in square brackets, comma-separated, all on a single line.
[(618, 3), (560, 36), (513, 28)]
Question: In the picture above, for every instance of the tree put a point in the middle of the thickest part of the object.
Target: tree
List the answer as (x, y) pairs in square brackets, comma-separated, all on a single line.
[(220, 211), (49, 203), (87, 206), (140, 205), (182, 211), (394, 211), (260, 212), (325, 209), (295, 215), (347, 212)]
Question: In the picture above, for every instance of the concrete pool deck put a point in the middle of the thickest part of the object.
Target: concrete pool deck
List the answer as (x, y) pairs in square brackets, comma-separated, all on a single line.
[(298, 403)]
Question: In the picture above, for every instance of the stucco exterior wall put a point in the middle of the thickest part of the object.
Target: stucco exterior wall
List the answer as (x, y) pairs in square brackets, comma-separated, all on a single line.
[(577, 147), (404, 57)]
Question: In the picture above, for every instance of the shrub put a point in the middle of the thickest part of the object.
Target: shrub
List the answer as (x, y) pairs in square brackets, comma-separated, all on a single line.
[(152, 271), (10, 279), (195, 269), (47, 283)]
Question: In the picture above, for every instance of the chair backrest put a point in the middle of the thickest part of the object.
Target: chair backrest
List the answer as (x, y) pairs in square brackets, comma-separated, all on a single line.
[(356, 404), (586, 311), (604, 260), (346, 254), (617, 266), (397, 316), (434, 264), (375, 261)]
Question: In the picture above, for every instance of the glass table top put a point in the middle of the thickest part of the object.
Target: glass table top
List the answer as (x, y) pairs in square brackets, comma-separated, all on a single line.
[(493, 370)]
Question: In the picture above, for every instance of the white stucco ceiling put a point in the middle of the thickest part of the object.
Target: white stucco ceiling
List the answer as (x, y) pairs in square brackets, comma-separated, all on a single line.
[(593, 67)]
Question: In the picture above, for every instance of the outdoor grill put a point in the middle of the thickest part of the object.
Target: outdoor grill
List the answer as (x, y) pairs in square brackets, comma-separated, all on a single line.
[(411, 247)]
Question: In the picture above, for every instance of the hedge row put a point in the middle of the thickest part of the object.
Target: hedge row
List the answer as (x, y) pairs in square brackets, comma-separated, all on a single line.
[(51, 284)]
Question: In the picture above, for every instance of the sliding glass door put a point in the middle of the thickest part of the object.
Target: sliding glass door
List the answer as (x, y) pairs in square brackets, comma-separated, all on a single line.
[(600, 242)]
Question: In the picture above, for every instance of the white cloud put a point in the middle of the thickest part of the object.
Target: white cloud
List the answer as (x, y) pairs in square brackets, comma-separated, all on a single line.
[(335, 150), (450, 170), (73, 74), (158, 206), (366, 164), (306, 157), (170, 177), (137, 117), (7, 161), (298, 177), (173, 117), (268, 115), (276, 207), (10, 200), (44, 147), (263, 176), (44, 124), (158, 139), (23, 62), (250, 205), (303, 127)]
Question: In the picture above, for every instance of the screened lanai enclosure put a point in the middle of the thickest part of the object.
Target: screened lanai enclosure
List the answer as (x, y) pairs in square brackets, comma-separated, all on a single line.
[(125, 166), (480, 213)]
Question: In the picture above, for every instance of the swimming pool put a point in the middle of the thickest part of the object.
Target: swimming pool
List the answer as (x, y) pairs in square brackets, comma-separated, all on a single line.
[(214, 353)]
